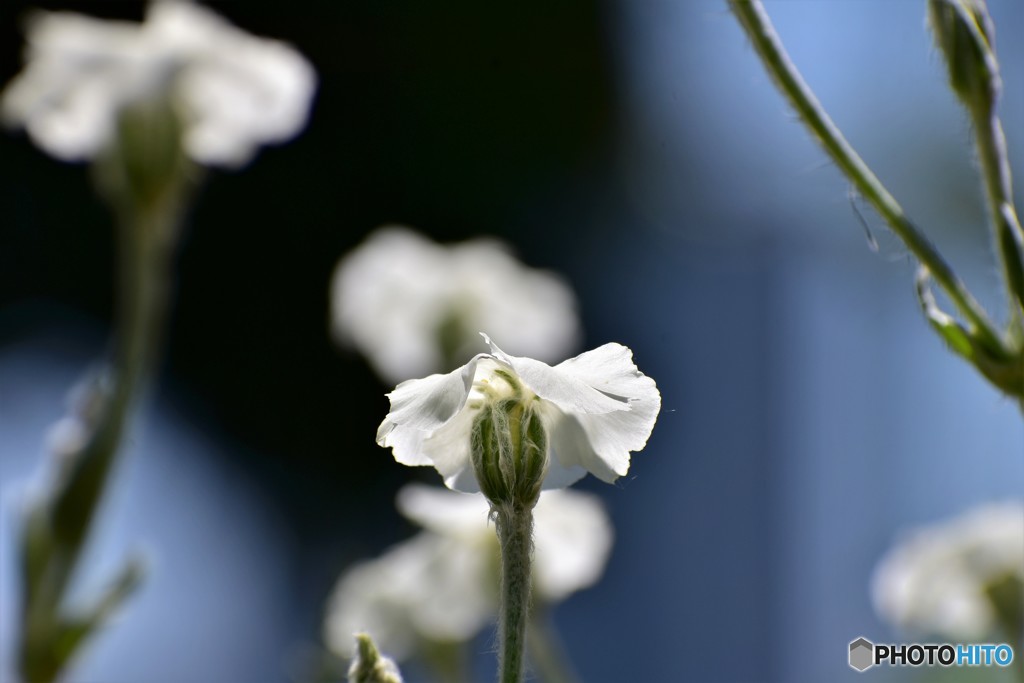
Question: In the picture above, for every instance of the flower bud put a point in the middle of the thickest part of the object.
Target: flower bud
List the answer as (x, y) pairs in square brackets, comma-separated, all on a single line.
[(964, 33), (369, 666), (145, 164), (509, 446)]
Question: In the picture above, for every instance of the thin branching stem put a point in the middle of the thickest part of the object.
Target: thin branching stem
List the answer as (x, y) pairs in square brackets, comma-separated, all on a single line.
[(755, 22)]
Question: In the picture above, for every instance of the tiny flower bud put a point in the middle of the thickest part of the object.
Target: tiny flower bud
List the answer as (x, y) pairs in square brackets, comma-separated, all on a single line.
[(369, 666)]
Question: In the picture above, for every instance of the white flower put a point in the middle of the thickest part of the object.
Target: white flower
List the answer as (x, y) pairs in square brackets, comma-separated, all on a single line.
[(441, 584), (429, 587), (596, 409), (232, 91), (935, 581), (411, 305)]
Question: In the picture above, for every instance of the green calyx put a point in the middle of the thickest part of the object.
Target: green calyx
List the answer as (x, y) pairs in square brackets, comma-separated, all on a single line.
[(963, 32), (509, 447), (145, 167)]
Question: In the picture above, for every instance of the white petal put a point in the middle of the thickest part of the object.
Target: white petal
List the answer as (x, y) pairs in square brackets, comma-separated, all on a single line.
[(388, 300), (934, 581), (429, 586), (571, 449), (448, 450), (367, 598), (236, 91), (573, 538), (429, 424), (427, 404), (610, 369), (562, 388), (76, 74), (602, 443), (533, 312), (446, 512), (559, 475)]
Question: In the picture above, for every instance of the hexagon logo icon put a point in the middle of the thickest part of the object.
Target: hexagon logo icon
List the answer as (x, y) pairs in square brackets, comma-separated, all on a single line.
[(862, 654)]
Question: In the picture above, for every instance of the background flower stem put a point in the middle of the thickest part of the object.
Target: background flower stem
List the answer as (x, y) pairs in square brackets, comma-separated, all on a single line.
[(514, 523), (547, 653), (57, 526), (1009, 236)]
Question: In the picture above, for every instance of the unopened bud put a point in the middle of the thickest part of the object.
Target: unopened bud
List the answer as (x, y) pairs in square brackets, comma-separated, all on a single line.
[(965, 34), (509, 449), (145, 164), (370, 666)]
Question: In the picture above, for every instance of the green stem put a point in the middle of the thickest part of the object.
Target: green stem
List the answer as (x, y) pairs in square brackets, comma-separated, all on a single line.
[(995, 168), (758, 27), (58, 527), (546, 651), (514, 524)]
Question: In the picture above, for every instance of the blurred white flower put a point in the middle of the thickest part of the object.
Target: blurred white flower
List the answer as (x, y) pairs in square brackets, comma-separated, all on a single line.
[(231, 90), (441, 585), (412, 305), (596, 408), (572, 533), (936, 581)]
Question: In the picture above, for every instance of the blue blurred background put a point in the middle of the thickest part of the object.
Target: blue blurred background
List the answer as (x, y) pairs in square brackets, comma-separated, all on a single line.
[(809, 415)]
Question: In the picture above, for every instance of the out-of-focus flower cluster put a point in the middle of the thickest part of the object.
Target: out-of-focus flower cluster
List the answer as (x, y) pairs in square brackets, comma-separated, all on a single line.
[(960, 579), (441, 585), (414, 307), (232, 91)]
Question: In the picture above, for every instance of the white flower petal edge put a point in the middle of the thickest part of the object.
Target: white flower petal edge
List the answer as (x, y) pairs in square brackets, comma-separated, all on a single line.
[(597, 408), (427, 404), (564, 389)]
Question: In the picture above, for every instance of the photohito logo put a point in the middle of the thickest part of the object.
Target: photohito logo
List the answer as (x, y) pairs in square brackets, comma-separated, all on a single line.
[(864, 654)]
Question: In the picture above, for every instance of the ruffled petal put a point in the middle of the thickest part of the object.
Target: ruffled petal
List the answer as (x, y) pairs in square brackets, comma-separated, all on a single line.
[(427, 404), (601, 444), (448, 450), (610, 370), (564, 389)]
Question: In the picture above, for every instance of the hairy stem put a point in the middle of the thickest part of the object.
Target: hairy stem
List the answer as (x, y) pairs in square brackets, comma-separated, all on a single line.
[(514, 524), (1009, 236), (755, 22)]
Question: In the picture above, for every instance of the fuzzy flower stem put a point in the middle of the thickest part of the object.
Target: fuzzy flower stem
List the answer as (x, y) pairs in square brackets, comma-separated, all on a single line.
[(514, 524), (995, 168), (754, 20)]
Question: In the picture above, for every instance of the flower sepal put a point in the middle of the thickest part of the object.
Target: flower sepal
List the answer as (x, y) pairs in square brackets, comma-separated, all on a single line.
[(509, 445), (145, 167)]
